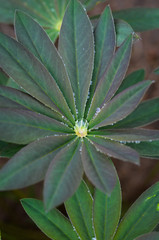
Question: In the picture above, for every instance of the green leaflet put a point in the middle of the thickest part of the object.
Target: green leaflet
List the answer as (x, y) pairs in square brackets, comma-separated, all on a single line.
[(104, 36), (133, 78), (80, 210), (53, 224), (3, 79), (146, 113), (123, 30), (25, 101), (149, 236), (112, 77), (34, 38), (6, 103), (76, 46), (156, 71), (142, 217), (29, 73), (63, 176), (22, 126), (9, 149), (98, 167), (106, 212), (115, 149), (141, 19), (129, 135), (30, 164), (121, 105), (148, 149)]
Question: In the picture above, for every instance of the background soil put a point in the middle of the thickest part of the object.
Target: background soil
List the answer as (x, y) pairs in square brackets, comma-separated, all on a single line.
[(134, 179)]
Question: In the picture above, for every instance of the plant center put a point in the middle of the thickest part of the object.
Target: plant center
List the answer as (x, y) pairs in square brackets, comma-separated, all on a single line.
[(81, 128), (58, 25)]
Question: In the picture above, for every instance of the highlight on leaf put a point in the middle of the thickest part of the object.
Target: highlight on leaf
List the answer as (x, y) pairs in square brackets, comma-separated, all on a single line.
[(67, 116)]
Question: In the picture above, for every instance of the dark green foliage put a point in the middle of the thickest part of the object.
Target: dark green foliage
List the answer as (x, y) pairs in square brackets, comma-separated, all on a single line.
[(68, 113), (98, 217)]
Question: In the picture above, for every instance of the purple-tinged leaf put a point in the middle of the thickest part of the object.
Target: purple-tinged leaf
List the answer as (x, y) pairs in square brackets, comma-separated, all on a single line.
[(30, 74), (147, 112), (112, 78), (35, 39), (7, 103), (130, 135), (120, 106), (104, 37), (30, 164), (149, 236), (25, 101), (98, 167), (63, 176), (76, 47), (23, 126), (80, 210), (115, 149)]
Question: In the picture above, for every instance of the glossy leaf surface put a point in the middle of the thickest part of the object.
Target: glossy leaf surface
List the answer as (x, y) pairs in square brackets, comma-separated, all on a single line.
[(63, 176), (98, 168), (112, 77), (76, 46), (80, 210), (34, 38), (141, 19), (106, 213), (22, 127), (121, 105), (30, 164), (53, 224), (115, 149), (142, 217)]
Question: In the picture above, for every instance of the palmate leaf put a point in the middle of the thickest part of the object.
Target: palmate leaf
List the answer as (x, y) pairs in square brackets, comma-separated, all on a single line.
[(63, 176), (29, 73), (53, 224), (18, 99), (80, 210), (30, 164), (22, 127), (36, 41), (106, 213), (142, 217), (76, 46)]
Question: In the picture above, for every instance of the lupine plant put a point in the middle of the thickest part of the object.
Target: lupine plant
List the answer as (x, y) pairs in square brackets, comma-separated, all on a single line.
[(72, 111), (97, 217)]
